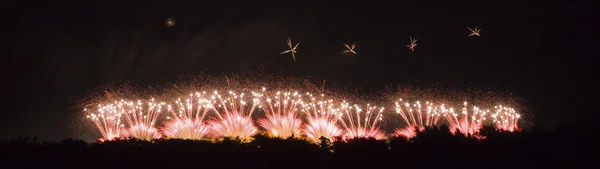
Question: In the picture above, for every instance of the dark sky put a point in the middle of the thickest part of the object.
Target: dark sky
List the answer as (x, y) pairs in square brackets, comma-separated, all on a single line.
[(541, 51)]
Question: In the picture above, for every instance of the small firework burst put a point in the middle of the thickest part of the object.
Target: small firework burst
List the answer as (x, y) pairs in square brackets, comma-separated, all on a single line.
[(292, 48), (412, 45), (170, 22), (322, 117), (474, 31), (506, 119), (361, 123), (350, 48), (281, 120), (234, 115)]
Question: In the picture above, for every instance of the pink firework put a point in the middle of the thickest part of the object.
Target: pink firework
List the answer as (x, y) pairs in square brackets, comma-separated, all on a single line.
[(281, 120), (141, 118), (234, 116), (408, 132), (465, 123), (188, 117), (108, 120), (506, 119), (186, 128), (322, 119), (417, 116), (361, 123), (143, 132)]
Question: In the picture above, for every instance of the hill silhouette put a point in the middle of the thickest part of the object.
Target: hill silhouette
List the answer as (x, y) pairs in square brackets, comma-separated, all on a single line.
[(432, 148)]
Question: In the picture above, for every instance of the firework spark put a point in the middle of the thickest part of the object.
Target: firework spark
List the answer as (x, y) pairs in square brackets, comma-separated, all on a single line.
[(322, 117), (361, 124), (186, 128), (188, 117), (234, 115), (108, 121), (506, 119), (292, 49), (141, 119), (413, 44), (350, 48), (466, 123), (281, 120), (417, 116), (474, 32), (170, 22), (143, 132)]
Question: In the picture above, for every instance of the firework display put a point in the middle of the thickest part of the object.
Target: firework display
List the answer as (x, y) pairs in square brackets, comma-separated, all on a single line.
[(281, 114), (288, 113)]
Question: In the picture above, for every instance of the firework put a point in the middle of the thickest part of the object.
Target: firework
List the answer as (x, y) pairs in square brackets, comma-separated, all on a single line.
[(474, 32), (322, 117), (417, 116), (188, 117), (143, 132), (211, 114), (292, 48), (361, 124), (170, 22), (234, 115), (186, 128), (412, 45), (281, 120), (505, 118), (108, 120), (350, 48), (465, 123), (141, 119)]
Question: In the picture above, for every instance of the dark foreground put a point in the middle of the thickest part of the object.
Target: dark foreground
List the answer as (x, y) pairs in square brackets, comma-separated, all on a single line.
[(435, 148)]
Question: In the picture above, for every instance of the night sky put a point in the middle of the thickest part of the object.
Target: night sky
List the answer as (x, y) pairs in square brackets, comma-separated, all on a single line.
[(543, 52)]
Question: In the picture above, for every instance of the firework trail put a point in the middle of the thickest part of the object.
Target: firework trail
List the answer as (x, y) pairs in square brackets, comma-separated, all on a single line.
[(281, 120), (108, 120), (506, 119), (416, 117), (465, 123), (234, 115), (361, 124), (188, 117), (322, 117)]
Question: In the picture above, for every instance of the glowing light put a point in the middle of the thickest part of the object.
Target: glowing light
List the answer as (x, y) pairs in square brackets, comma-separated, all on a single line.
[(281, 120), (322, 119), (292, 49), (188, 117), (417, 116), (170, 22), (361, 124), (350, 49), (474, 31), (412, 45), (234, 116)]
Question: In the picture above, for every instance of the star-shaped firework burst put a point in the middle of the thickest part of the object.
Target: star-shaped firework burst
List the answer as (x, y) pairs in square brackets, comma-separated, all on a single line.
[(292, 48), (413, 44), (474, 32), (350, 48)]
